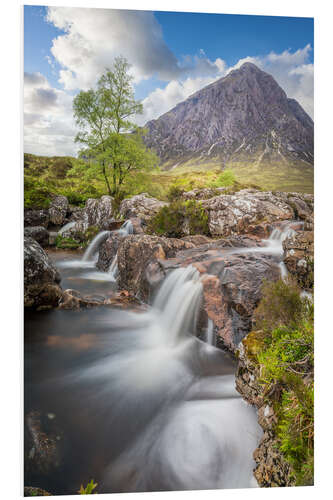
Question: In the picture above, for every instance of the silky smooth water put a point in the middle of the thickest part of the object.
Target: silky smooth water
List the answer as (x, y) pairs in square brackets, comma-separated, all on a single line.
[(143, 404)]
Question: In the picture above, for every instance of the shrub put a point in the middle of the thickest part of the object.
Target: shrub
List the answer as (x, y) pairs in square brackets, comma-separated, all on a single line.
[(175, 192), (286, 359), (225, 179), (180, 218), (281, 305), (88, 490)]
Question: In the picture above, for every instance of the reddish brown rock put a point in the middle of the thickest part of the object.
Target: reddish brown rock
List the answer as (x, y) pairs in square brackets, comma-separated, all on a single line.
[(299, 257)]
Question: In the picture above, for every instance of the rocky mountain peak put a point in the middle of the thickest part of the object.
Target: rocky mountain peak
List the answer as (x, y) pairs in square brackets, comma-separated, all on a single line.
[(244, 116)]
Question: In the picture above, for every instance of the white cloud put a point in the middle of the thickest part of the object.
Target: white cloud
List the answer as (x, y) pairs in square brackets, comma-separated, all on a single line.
[(93, 37), (48, 123), (290, 69)]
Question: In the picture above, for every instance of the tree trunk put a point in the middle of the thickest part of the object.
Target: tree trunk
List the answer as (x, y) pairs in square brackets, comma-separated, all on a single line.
[(107, 180)]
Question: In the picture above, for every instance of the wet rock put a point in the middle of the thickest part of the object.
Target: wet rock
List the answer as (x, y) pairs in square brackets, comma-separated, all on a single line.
[(232, 214), (41, 279), (36, 218), (31, 491), (138, 261), (108, 250), (42, 443), (111, 224), (141, 206), (38, 233), (299, 257), (197, 239), (58, 210), (74, 300), (97, 211)]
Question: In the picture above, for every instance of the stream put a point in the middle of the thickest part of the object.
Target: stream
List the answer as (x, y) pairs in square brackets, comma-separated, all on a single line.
[(135, 400)]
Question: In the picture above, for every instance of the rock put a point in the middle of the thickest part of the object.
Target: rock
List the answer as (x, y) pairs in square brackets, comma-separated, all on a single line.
[(97, 211), (31, 491), (52, 238), (36, 218), (42, 454), (111, 224), (197, 239), (108, 250), (41, 279), (38, 233), (299, 257), (203, 194), (232, 214), (138, 261), (74, 300), (141, 206), (75, 213), (58, 210)]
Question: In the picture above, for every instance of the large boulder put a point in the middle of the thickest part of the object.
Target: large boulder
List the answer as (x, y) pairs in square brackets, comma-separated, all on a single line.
[(138, 261), (141, 206), (299, 257), (36, 218), (231, 214), (38, 233), (97, 211), (58, 210), (41, 278), (108, 250)]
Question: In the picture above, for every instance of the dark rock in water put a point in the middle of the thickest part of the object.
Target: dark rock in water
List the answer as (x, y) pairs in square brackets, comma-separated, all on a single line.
[(272, 469), (41, 278), (31, 491), (38, 233), (74, 300), (108, 250), (142, 206), (42, 443), (36, 218), (111, 224), (58, 210), (97, 211), (299, 257)]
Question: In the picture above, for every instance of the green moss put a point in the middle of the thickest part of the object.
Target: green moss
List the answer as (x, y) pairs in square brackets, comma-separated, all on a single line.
[(285, 352), (61, 242)]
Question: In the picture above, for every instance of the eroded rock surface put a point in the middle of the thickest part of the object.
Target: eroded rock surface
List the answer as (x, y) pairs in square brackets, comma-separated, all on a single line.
[(36, 218), (97, 211), (58, 210), (38, 233), (141, 205), (299, 257), (41, 278), (231, 214)]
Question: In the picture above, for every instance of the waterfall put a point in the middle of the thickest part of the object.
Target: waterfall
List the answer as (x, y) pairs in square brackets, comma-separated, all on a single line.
[(178, 301), (66, 227), (210, 336), (89, 254), (94, 245), (126, 229)]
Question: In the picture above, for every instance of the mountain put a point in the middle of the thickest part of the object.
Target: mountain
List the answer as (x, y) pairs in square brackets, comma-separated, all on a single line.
[(242, 120)]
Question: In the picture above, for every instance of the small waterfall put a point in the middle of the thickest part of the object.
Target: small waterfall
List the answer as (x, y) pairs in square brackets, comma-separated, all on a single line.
[(126, 229), (178, 300), (66, 227), (94, 245), (210, 335)]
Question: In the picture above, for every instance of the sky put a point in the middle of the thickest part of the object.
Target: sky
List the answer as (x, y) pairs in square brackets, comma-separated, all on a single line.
[(172, 54)]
